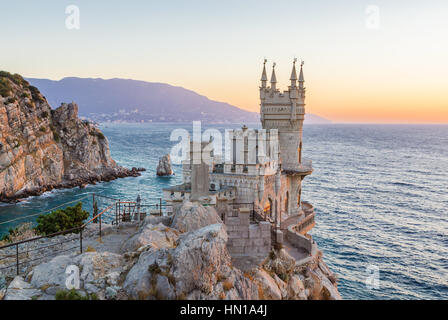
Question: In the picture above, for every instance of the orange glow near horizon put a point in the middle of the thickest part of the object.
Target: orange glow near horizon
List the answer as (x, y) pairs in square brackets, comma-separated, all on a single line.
[(393, 73), (396, 98), (360, 107)]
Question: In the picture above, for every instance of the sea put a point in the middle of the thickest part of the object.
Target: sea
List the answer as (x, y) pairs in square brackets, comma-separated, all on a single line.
[(380, 194)]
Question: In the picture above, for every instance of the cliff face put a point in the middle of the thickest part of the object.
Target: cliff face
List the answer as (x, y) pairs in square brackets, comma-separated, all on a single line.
[(42, 149)]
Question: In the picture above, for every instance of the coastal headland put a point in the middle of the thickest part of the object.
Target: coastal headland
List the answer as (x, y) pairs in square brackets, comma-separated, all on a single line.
[(43, 148)]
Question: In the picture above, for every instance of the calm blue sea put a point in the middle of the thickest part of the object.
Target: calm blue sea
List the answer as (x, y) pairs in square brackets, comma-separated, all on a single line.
[(380, 193)]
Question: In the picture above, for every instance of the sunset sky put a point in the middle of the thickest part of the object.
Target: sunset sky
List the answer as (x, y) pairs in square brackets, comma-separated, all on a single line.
[(357, 68)]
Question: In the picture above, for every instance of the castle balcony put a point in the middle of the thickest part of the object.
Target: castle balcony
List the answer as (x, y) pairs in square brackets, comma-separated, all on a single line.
[(303, 169)]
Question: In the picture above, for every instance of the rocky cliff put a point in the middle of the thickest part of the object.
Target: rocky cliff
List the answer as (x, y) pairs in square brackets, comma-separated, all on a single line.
[(154, 259), (42, 148)]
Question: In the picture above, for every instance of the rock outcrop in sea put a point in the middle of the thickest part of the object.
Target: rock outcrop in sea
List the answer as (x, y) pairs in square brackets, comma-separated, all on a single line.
[(158, 261), (42, 149), (164, 166)]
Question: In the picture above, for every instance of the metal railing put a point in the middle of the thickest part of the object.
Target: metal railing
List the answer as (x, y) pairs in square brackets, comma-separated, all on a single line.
[(20, 256), (124, 211)]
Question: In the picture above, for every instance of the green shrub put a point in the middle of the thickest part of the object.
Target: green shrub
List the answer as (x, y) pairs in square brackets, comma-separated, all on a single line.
[(16, 78), (5, 87), (74, 295), (35, 93), (56, 136), (98, 134), (42, 129), (62, 219), (44, 114)]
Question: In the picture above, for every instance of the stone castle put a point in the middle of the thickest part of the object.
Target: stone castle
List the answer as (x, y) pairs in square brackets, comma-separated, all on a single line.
[(256, 189)]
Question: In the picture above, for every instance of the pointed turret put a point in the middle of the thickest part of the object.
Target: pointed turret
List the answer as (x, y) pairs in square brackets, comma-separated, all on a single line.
[(264, 78), (273, 78), (293, 74), (301, 79)]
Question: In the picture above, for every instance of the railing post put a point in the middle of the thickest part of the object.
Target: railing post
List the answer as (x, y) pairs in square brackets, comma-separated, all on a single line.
[(160, 199), (17, 258), (80, 240), (100, 225)]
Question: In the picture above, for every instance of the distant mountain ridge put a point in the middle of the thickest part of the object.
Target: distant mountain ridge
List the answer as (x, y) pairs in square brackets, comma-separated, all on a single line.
[(139, 101)]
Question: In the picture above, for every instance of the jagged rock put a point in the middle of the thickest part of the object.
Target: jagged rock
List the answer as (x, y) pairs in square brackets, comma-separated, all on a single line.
[(165, 220), (97, 266), (328, 291), (18, 289), (163, 288), (97, 270), (139, 283), (164, 166), (154, 236), (281, 285), (113, 278), (200, 256), (296, 289), (198, 268), (192, 216), (51, 274), (43, 149), (282, 264), (268, 288)]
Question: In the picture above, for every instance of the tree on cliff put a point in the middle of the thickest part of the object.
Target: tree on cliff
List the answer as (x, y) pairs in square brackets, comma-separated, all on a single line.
[(60, 220)]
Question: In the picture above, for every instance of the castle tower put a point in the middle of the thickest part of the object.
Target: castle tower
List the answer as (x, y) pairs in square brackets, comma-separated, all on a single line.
[(285, 111)]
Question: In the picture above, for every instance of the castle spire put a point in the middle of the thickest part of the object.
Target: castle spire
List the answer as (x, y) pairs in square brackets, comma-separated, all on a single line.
[(264, 78), (273, 78), (301, 78), (293, 74)]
